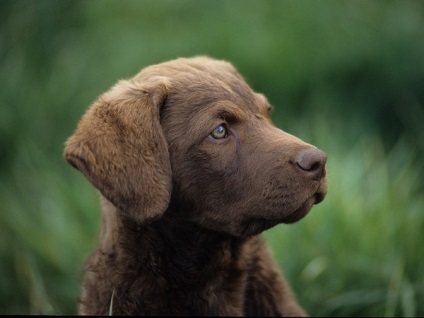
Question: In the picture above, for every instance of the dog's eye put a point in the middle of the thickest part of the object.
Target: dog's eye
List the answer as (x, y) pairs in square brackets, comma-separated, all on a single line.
[(219, 132)]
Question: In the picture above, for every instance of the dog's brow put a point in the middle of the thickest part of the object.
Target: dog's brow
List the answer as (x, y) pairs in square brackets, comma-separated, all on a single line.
[(229, 116), (228, 111), (223, 110)]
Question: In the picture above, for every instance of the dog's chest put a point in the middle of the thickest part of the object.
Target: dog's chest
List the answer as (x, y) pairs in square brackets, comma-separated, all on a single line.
[(161, 295)]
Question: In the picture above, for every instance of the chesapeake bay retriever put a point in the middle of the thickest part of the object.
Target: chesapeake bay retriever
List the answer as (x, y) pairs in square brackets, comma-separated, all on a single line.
[(190, 171)]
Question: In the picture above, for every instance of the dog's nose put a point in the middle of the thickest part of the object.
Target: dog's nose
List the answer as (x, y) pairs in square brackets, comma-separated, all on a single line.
[(312, 162)]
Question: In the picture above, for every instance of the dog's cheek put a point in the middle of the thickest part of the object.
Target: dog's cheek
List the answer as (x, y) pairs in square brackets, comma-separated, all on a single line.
[(213, 183)]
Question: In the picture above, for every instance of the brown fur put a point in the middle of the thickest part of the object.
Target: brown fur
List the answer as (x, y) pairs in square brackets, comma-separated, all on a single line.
[(181, 210)]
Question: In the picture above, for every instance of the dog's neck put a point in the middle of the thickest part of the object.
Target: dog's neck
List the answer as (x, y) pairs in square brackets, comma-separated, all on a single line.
[(176, 243), (170, 257)]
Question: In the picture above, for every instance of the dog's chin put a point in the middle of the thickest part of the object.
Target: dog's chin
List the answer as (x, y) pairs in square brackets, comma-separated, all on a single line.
[(258, 225), (304, 209), (299, 213)]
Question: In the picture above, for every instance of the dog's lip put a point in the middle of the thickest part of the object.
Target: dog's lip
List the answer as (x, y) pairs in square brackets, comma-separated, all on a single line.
[(299, 213), (319, 197), (257, 225), (321, 191)]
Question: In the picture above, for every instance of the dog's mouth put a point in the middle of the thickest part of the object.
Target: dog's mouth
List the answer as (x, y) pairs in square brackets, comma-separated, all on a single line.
[(257, 225), (304, 209)]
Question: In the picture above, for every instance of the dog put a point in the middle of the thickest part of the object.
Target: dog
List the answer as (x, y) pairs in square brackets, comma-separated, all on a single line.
[(190, 170)]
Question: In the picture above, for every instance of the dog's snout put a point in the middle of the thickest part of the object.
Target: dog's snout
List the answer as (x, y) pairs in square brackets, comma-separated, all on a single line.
[(311, 162)]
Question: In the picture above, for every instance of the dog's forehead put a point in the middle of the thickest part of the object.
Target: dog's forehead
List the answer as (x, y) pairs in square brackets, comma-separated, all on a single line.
[(217, 82), (197, 83)]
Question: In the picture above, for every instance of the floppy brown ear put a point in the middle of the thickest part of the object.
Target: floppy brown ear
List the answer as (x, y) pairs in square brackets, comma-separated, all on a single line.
[(120, 148)]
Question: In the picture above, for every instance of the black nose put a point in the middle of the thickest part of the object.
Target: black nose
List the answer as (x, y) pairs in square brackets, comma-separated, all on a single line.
[(312, 162)]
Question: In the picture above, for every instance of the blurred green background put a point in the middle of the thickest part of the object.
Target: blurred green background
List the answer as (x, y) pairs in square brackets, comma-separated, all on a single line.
[(347, 76)]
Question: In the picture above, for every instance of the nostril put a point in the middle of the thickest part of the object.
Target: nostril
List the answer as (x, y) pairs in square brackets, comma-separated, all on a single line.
[(311, 161), (314, 166)]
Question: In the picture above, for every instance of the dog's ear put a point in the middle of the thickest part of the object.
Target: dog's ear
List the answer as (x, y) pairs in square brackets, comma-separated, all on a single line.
[(120, 147)]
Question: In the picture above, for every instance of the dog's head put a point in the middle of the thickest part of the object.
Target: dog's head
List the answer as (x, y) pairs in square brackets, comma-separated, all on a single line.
[(191, 139)]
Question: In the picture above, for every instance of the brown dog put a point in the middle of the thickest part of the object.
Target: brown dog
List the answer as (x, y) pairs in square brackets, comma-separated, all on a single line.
[(190, 170)]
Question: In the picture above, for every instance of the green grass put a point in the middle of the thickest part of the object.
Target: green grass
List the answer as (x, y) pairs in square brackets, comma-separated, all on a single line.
[(47, 231)]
